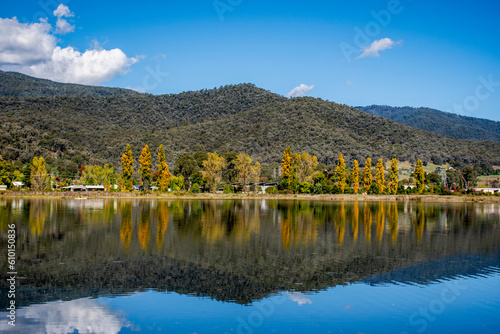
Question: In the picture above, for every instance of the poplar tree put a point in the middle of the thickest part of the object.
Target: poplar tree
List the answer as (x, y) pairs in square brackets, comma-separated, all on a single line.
[(39, 177), (368, 175), (420, 176), (379, 178), (163, 171), (128, 168), (287, 168), (355, 176), (393, 184), (340, 172), (145, 167)]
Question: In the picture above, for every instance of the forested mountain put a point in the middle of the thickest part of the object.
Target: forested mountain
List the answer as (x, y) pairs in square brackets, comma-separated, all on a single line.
[(444, 123), (242, 117), (21, 85)]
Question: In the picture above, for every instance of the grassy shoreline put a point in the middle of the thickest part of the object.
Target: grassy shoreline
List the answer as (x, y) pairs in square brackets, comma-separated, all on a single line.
[(324, 197)]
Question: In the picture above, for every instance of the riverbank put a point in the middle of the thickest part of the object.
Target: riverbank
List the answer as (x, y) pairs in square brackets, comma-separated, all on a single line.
[(186, 195)]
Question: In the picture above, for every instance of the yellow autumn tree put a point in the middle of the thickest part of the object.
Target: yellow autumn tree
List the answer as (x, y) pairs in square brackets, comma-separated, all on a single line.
[(128, 169), (306, 165), (212, 170), (379, 177), (145, 167), (367, 177), (393, 183), (288, 169), (163, 171), (340, 172), (355, 176), (419, 176), (242, 167), (39, 177)]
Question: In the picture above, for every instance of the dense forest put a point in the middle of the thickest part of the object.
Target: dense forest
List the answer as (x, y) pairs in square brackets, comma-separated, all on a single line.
[(89, 128), (444, 123)]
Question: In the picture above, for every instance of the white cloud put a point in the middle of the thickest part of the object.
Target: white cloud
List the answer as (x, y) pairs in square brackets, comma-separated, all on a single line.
[(299, 298), (32, 49), (62, 11), (82, 315), (349, 83), (300, 90), (25, 44), (91, 67), (377, 46), (62, 25)]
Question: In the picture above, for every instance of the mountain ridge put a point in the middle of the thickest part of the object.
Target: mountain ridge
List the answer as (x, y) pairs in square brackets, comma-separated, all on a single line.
[(244, 118), (444, 123)]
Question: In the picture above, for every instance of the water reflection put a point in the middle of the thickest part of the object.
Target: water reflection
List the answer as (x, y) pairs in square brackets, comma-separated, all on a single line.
[(236, 250)]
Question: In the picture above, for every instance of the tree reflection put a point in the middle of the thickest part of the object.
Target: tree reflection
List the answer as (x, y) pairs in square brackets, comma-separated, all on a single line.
[(37, 216), (380, 221), (162, 223), (126, 225), (355, 221), (367, 222), (144, 230), (393, 220)]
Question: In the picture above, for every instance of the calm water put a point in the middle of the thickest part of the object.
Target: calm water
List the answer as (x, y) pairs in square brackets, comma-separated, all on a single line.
[(252, 266)]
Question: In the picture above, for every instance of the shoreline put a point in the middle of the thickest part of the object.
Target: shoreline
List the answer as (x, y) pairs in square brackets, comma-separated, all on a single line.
[(190, 196)]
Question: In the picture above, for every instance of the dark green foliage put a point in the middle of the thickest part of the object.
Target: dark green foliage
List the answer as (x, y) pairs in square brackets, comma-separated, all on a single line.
[(87, 129), (444, 123), (186, 166), (5, 173), (20, 85)]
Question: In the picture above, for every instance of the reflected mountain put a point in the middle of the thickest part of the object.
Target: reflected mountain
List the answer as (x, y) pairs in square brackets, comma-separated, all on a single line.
[(240, 250)]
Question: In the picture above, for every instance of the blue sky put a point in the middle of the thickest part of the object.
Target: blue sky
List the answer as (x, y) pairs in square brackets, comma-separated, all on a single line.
[(444, 55)]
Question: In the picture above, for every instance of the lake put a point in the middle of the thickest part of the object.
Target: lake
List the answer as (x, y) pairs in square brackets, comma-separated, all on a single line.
[(251, 266)]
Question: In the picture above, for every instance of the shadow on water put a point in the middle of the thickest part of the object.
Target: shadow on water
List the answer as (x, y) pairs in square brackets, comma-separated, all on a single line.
[(240, 250)]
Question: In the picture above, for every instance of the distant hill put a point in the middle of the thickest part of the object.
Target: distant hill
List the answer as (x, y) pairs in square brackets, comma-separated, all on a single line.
[(444, 123), (21, 85), (241, 118)]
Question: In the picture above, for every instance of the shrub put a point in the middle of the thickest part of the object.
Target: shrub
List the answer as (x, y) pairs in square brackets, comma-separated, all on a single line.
[(304, 187), (195, 189), (272, 190)]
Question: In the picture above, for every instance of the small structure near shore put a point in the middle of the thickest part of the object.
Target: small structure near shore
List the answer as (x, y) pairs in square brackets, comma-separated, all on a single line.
[(83, 188), (487, 190)]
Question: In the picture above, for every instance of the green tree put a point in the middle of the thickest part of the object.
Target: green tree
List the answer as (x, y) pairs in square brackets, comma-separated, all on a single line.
[(39, 177), (212, 169), (368, 177), (379, 177), (97, 175), (340, 173), (186, 166), (5, 172), (469, 176), (128, 169), (394, 171), (355, 176), (145, 167), (419, 175), (200, 156)]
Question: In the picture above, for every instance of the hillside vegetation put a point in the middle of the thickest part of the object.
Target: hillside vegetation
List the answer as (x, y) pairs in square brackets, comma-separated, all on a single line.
[(21, 85), (242, 117), (444, 123)]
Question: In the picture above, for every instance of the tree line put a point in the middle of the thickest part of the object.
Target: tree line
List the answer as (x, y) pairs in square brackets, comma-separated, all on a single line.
[(238, 172)]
